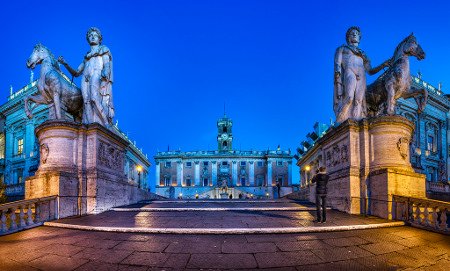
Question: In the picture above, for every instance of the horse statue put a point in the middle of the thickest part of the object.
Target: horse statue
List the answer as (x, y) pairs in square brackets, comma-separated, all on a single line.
[(395, 82), (53, 87)]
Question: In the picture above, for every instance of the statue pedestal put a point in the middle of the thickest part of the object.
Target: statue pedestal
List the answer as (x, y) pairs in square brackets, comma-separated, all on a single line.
[(83, 165), (368, 162)]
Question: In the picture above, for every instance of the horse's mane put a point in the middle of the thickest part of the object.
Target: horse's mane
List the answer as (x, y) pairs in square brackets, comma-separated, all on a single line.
[(53, 60), (400, 45)]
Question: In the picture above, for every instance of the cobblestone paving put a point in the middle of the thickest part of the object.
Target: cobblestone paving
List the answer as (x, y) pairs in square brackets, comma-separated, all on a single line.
[(396, 248), (399, 248), (219, 219)]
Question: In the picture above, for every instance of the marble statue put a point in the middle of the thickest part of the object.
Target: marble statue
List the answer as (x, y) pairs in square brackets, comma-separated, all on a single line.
[(395, 83), (53, 88), (350, 67), (96, 81)]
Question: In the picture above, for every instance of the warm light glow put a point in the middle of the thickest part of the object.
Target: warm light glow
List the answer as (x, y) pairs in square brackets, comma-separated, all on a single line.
[(307, 168), (139, 168)]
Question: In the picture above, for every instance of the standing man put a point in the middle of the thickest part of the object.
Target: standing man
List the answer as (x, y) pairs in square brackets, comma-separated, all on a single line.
[(321, 179), (350, 67), (96, 80)]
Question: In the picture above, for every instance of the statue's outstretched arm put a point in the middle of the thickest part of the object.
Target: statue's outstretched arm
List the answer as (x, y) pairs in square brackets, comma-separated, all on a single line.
[(72, 71), (373, 71)]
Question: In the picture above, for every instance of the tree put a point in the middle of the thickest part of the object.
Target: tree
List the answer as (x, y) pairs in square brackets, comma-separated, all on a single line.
[(3, 197)]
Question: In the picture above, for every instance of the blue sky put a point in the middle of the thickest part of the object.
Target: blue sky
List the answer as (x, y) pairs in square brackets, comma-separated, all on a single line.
[(177, 62)]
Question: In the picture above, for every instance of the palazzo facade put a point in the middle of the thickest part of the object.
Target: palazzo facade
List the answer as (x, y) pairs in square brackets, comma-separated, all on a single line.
[(19, 147), (223, 173)]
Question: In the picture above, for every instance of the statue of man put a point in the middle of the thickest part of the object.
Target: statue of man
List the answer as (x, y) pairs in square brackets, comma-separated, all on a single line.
[(350, 67), (96, 81)]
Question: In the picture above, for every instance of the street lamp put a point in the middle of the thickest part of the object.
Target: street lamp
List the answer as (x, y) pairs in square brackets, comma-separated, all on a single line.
[(139, 170)]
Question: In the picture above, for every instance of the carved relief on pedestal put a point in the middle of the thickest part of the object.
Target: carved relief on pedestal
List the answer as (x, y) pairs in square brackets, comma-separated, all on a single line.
[(44, 151), (403, 147), (336, 155), (109, 156)]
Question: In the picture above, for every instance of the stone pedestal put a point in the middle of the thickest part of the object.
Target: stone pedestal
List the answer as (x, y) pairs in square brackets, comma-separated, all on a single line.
[(368, 162), (84, 166)]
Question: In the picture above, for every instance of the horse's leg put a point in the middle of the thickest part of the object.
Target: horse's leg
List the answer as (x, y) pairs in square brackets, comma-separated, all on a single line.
[(416, 93), (36, 99), (57, 104), (390, 101)]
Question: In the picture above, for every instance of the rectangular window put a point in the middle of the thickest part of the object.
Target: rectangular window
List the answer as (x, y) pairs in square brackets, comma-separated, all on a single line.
[(205, 163), (260, 163), (19, 146), (242, 163), (280, 163), (167, 181), (168, 164), (188, 182), (188, 164), (242, 181), (224, 163), (205, 182), (260, 180)]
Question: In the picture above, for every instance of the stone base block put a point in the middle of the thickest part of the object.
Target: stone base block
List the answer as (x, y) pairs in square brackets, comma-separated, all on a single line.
[(84, 166)]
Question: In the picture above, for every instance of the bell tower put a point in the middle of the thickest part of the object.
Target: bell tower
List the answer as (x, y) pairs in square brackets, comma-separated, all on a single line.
[(224, 134)]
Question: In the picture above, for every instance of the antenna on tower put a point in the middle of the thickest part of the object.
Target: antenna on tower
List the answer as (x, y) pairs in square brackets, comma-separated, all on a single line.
[(224, 112)]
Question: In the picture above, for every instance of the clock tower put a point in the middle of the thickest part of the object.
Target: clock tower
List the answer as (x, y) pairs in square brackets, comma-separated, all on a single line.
[(224, 134)]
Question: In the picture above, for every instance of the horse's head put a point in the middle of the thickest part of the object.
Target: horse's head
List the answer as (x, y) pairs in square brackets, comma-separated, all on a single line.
[(413, 48), (40, 52)]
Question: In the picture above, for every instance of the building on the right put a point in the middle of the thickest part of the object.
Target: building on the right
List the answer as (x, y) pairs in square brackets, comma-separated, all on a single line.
[(431, 138), (430, 143)]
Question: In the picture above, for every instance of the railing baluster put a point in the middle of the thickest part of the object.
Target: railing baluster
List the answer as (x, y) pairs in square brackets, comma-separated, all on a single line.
[(426, 215), (21, 217), (37, 212), (418, 219), (444, 219), (4, 227), (434, 215), (410, 212), (29, 214), (13, 218)]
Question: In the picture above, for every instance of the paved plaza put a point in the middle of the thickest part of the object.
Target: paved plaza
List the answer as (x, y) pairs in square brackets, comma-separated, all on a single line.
[(382, 248)]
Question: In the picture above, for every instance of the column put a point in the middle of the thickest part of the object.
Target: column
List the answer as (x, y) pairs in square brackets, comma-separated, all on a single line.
[(251, 175), (180, 181), (290, 173), (234, 173), (197, 173), (157, 173), (9, 152), (214, 173), (269, 173)]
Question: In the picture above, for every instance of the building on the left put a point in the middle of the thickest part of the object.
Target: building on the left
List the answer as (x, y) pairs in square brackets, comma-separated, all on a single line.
[(19, 147)]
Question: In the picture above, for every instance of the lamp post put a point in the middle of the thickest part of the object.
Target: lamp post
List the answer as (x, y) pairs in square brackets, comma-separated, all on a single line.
[(139, 170)]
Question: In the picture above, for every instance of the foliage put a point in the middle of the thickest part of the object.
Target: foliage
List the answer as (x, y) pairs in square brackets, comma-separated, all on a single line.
[(3, 197)]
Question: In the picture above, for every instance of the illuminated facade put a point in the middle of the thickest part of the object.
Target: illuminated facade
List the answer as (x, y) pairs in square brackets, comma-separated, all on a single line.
[(19, 147), (223, 173)]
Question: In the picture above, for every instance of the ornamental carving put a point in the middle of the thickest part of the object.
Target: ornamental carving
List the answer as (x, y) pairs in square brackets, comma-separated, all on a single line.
[(337, 155), (109, 156), (44, 151), (403, 147)]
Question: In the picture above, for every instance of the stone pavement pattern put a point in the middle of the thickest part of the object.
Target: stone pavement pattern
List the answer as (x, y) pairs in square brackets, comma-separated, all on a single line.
[(397, 248), (219, 219)]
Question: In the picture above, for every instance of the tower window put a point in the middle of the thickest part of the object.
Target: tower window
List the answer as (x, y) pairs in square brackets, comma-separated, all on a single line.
[(225, 143), (19, 146), (188, 164), (242, 163), (205, 163), (225, 129)]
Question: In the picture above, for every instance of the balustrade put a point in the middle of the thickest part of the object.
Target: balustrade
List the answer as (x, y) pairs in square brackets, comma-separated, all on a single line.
[(421, 212), (24, 214)]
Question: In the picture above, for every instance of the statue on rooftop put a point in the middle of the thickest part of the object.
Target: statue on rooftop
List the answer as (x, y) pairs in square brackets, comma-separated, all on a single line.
[(350, 67), (96, 81)]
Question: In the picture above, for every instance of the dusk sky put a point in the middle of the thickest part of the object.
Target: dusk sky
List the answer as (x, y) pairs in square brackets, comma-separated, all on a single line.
[(177, 62)]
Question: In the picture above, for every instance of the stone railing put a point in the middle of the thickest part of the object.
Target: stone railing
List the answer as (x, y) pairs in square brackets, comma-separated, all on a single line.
[(25, 214), (438, 187), (421, 212)]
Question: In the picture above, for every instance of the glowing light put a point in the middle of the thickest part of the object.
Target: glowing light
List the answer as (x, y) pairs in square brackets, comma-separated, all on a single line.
[(307, 168)]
